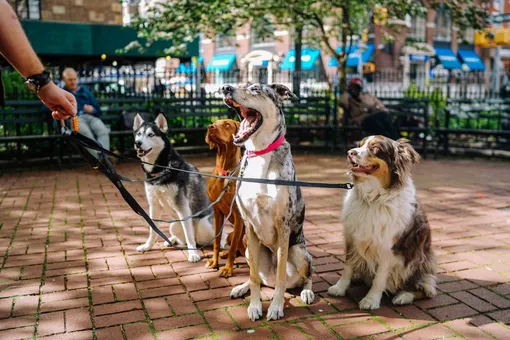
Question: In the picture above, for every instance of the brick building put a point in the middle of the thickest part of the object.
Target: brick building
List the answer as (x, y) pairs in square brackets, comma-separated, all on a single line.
[(440, 47), (79, 11)]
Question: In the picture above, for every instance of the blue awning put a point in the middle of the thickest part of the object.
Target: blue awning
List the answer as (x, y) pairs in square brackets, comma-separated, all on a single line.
[(308, 59), (189, 67), (221, 62), (352, 59), (471, 59), (447, 58)]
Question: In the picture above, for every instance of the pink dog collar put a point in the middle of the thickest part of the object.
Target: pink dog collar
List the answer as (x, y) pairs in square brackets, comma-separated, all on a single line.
[(271, 147)]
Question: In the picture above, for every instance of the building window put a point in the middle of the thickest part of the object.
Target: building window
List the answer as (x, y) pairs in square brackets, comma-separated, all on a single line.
[(468, 37), (258, 39), (418, 30), (27, 9), (263, 39), (443, 26), (225, 41)]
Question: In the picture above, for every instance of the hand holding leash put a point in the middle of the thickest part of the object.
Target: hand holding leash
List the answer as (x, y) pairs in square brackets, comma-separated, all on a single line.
[(75, 124)]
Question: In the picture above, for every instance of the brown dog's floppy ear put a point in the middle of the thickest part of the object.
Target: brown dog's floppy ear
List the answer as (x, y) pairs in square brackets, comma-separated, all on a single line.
[(237, 125), (283, 91), (208, 141)]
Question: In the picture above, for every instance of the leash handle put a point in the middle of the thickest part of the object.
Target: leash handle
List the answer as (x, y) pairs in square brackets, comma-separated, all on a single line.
[(75, 124)]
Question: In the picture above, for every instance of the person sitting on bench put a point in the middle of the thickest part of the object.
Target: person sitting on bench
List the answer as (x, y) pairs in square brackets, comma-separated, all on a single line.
[(89, 111), (367, 111)]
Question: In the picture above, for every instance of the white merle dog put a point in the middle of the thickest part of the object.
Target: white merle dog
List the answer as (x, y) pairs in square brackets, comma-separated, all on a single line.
[(177, 193), (273, 215)]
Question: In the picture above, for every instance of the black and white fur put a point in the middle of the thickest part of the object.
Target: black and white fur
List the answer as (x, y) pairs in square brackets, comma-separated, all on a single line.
[(273, 215), (176, 193)]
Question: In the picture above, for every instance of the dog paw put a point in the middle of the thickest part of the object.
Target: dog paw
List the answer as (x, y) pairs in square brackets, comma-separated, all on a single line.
[(307, 296), (226, 271), (224, 254), (212, 263), (144, 247), (255, 310), (370, 302), (337, 290), (403, 298), (193, 256), (239, 291), (275, 311)]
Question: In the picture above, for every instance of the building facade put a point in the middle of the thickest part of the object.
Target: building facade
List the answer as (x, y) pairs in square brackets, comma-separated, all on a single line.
[(440, 47), (78, 11)]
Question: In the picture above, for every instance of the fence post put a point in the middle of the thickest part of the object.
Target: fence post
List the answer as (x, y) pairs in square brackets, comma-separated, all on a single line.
[(334, 112)]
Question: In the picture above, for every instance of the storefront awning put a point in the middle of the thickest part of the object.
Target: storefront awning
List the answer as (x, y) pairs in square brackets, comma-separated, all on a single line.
[(352, 59), (189, 67), (57, 39), (472, 60), (447, 58), (221, 62), (308, 59)]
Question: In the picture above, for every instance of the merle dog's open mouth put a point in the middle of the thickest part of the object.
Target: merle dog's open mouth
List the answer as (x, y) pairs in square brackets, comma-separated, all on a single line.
[(363, 169), (142, 153), (251, 120)]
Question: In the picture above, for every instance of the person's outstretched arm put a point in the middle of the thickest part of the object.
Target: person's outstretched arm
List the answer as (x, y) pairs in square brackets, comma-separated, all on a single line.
[(16, 48)]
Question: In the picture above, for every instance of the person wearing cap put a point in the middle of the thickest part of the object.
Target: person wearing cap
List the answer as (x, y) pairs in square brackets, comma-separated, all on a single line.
[(367, 111)]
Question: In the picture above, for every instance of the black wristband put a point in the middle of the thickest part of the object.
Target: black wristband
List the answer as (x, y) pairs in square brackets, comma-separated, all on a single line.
[(37, 81)]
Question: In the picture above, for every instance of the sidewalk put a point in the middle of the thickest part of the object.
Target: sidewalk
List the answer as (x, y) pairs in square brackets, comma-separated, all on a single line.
[(69, 268)]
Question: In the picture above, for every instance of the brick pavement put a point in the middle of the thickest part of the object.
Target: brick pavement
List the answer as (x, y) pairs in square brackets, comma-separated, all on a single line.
[(69, 269)]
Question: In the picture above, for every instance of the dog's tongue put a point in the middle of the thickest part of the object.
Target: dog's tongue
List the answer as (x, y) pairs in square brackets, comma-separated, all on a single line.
[(364, 169), (246, 124)]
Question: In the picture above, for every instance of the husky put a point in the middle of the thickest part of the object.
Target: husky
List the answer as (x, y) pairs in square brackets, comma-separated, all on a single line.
[(176, 193)]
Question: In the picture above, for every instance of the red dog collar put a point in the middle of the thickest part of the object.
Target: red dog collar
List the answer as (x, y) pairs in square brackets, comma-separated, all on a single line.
[(222, 172), (271, 147)]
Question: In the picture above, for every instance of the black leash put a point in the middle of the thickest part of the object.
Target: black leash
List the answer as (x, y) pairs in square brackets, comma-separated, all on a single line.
[(91, 144), (82, 143)]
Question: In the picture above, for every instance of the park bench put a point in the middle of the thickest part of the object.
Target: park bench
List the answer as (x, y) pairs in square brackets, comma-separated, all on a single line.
[(25, 131), (474, 124), (410, 118), (309, 122)]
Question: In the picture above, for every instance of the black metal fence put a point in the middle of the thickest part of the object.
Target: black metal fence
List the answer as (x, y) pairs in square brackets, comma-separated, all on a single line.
[(460, 111)]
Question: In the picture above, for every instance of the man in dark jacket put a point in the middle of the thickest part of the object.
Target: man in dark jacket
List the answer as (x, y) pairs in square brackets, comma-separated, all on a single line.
[(88, 110)]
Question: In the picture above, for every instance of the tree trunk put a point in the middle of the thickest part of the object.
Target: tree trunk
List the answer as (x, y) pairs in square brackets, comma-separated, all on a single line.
[(342, 64), (296, 76)]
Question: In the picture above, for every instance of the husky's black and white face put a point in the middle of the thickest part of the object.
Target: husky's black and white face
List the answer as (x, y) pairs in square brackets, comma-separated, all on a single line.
[(260, 109), (150, 137)]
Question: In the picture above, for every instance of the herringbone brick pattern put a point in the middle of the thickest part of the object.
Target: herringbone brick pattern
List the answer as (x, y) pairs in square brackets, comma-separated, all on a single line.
[(69, 268)]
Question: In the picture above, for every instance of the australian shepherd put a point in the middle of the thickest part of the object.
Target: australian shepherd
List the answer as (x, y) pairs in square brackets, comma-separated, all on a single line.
[(387, 235)]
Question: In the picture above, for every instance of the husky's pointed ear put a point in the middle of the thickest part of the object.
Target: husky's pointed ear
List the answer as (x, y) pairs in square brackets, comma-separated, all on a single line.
[(161, 122), (137, 122), (283, 91)]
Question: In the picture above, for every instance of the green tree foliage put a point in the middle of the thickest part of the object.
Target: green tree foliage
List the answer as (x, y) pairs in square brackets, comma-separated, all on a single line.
[(327, 22)]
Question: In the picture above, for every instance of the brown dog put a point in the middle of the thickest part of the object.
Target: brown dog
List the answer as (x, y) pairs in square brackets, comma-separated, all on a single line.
[(220, 135)]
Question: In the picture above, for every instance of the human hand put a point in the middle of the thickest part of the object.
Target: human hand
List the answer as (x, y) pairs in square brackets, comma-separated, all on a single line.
[(61, 103), (88, 108)]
